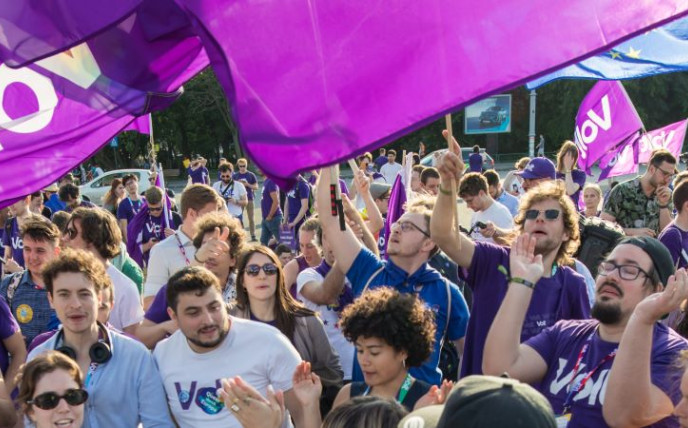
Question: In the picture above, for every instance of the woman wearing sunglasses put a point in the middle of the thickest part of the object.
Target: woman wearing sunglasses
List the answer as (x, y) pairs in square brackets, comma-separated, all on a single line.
[(262, 296), (51, 391)]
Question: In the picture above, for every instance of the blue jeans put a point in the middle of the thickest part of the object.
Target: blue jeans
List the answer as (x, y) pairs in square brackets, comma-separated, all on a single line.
[(270, 228)]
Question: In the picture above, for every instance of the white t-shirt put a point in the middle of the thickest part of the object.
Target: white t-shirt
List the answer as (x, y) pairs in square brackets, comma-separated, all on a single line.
[(165, 259), (257, 352), (236, 191), (390, 171), (127, 310), (497, 214), (330, 319)]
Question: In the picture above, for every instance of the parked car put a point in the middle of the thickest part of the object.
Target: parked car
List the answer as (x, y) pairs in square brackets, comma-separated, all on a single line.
[(98, 187), (494, 114), (432, 158)]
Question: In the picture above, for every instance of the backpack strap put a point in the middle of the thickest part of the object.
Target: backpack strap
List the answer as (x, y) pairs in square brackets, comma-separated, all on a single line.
[(380, 269), (12, 287), (449, 305)]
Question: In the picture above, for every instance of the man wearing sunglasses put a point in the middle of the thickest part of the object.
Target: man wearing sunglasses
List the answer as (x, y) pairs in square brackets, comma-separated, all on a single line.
[(250, 182), (642, 206), (231, 191), (124, 389), (406, 269), (548, 214), (618, 369)]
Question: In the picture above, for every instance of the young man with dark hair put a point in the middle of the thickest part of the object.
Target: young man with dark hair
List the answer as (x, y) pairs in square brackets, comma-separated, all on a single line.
[(122, 381), (148, 232), (496, 217), (250, 182), (391, 168), (618, 369), (38, 207), (209, 346), (231, 191), (430, 180), (95, 230), (71, 196), (494, 188), (475, 160), (416, 172), (549, 215), (270, 211), (675, 235), (406, 269), (25, 291), (642, 206), (130, 205), (381, 159), (177, 251)]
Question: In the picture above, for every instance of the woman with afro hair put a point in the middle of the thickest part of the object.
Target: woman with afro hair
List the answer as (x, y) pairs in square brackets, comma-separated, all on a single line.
[(392, 332)]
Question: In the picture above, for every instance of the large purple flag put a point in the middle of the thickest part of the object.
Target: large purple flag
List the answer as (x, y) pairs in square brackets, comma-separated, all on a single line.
[(319, 81), (622, 160), (605, 118), (669, 137), (141, 125), (397, 201)]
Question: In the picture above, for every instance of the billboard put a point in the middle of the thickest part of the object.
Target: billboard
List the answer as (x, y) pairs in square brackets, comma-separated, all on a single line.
[(488, 116)]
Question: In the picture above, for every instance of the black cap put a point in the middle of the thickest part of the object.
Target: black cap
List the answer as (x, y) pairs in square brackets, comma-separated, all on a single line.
[(659, 254)]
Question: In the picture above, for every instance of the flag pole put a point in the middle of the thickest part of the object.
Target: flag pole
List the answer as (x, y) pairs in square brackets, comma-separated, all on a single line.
[(455, 213)]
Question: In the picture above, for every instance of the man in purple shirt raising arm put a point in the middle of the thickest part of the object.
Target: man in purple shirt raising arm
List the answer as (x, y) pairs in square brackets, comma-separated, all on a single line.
[(616, 370)]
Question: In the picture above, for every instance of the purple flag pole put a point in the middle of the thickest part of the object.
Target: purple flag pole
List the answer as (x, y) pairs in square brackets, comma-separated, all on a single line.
[(160, 182), (396, 208)]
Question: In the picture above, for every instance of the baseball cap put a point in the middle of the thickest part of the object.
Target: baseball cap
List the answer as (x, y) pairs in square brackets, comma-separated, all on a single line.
[(52, 188), (379, 189), (659, 254), (538, 168), (486, 401)]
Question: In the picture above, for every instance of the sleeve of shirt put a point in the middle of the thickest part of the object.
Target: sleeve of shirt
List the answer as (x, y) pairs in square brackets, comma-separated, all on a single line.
[(613, 204), (122, 210), (5, 239), (486, 258), (8, 325), (157, 274), (578, 297), (152, 399), (458, 320), (241, 189), (306, 276), (251, 179), (177, 219), (665, 374), (128, 305), (545, 342), (283, 361), (364, 266), (504, 220), (133, 272), (671, 238), (157, 311), (304, 190), (578, 177)]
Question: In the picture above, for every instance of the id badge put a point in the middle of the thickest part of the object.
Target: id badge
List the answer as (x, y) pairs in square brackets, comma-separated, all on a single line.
[(563, 420)]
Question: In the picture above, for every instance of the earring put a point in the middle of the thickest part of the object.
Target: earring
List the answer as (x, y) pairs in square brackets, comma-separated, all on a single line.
[(403, 362)]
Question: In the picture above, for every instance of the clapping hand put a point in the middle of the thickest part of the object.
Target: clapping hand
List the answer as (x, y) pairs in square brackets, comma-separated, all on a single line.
[(250, 408), (523, 262), (307, 386), (436, 395), (656, 305)]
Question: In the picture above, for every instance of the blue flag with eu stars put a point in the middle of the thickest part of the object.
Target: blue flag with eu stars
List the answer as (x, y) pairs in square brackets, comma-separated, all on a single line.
[(662, 50)]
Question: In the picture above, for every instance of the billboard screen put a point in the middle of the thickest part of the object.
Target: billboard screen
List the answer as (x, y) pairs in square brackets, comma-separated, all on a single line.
[(489, 116)]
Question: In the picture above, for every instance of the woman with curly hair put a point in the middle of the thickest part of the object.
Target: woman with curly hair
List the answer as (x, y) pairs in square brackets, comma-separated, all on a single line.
[(392, 333), (114, 196)]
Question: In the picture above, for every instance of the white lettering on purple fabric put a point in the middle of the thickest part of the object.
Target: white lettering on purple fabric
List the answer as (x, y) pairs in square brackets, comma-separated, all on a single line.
[(41, 86), (593, 390), (588, 131)]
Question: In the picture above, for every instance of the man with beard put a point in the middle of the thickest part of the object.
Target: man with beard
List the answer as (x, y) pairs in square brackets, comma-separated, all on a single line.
[(548, 214), (618, 369), (642, 206), (231, 191), (209, 346)]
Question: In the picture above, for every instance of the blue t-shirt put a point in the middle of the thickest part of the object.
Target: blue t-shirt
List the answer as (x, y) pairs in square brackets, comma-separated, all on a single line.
[(509, 201), (430, 287), (560, 347), (30, 306), (15, 242), (127, 209), (562, 296), (250, 179)]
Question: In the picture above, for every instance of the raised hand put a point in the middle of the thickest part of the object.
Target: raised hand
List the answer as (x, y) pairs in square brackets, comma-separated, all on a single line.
[(523, 262), (214, 246), (663, 195), (362, 182), (568, 161), (656, 305), (250, 408), (307, 386), (435, 395), (451, 163)]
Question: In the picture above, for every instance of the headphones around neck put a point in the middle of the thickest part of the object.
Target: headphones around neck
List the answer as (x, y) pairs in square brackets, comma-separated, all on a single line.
[(99, 352)]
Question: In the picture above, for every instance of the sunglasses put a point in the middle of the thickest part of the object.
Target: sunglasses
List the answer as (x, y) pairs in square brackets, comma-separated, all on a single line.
[(242, 166), (254, 270), (50, 400), (155, 209), (549, 214)]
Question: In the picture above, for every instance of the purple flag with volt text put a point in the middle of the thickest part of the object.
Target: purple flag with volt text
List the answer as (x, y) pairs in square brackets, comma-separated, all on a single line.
[(669, 137), (605, 118), (622, 160)]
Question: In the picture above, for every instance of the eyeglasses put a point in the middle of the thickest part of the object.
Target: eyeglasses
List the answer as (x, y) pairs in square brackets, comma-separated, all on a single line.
[(254, 270), (225, 176), (50, 400), (549, 214), (71, 233), (242, 166), (667, 174), (407, 226), (627, 272), (154, 209)]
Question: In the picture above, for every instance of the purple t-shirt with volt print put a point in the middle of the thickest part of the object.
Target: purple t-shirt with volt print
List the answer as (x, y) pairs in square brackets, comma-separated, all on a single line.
[(562, 296), (560, 347), (8, 326), (15, 242)]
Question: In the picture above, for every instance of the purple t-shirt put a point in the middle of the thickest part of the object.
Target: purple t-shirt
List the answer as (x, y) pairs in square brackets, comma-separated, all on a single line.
[(8, 326), (152, 228), (342, 184), (579, 178), (381, 160), (301, 190), (560, 347), (562, 296), (269, 186), (676, 241), (250, 179), (128, 208), (14, 241), (475, 162), (199, 175), (157, 311)]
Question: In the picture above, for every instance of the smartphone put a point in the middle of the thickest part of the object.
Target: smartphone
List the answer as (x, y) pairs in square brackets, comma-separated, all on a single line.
[(480, 224)]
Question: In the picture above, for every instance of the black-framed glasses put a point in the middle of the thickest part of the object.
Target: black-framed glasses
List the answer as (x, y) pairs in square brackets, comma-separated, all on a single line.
[(627, 272), (407, 226), (155, 209), (242, 166), (50, 400), (667, 174), (254, 270), (549, 214)]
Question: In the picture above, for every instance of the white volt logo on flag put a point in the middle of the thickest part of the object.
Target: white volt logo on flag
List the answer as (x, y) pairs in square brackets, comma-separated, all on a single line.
[(587, 133)]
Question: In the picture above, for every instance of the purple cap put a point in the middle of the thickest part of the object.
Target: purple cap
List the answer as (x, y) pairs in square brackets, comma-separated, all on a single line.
[(538, 168)]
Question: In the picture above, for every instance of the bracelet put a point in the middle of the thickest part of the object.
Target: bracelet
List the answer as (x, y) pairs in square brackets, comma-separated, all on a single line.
[(663, 207), (196, 258), (521, 281), (445, 191)]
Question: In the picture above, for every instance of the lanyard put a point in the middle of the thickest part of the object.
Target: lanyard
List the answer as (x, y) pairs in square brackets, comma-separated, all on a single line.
[(134, 208), (403, 391), (181, 249), (573, 390)]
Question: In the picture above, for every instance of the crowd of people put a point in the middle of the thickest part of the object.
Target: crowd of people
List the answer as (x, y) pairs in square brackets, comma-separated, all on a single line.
[(139, 312)]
